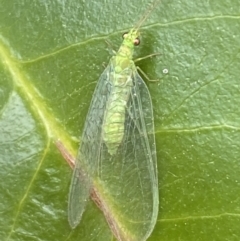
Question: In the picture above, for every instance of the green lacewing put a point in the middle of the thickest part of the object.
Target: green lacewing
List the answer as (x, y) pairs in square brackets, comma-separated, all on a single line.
[(116, 162)]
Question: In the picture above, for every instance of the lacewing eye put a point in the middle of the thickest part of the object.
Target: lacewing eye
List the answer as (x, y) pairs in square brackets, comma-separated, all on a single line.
[(125, 35), (136, 41)]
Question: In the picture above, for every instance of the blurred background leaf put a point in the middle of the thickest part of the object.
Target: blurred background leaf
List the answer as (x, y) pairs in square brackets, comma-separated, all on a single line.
[(52, 53)]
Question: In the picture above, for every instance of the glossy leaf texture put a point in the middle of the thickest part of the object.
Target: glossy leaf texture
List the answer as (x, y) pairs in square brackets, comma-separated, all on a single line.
[(51, 55)]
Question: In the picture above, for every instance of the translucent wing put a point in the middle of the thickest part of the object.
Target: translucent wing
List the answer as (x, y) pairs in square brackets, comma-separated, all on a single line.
[(129, 178), (88, 154)]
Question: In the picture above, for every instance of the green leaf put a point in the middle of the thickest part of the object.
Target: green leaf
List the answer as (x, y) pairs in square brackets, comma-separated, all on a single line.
[(52, 53)]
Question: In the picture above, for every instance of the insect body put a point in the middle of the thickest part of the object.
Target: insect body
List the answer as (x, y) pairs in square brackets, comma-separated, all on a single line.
[(122, 82), (117, 155)]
